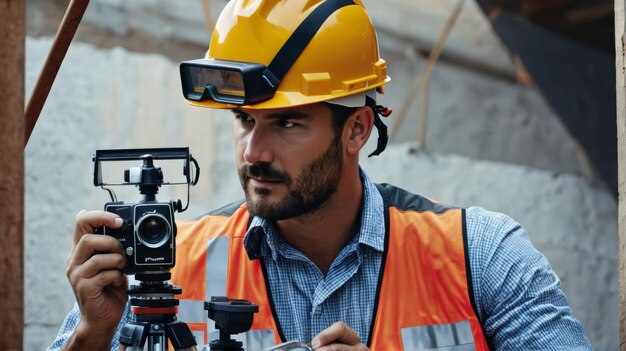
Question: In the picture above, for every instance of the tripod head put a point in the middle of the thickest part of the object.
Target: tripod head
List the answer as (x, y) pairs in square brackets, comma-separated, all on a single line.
[(231, 316), (154, 306)]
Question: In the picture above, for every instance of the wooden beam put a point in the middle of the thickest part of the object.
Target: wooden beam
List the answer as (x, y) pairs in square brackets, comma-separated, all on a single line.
[(620, 65), (12, 43), (74, 14)]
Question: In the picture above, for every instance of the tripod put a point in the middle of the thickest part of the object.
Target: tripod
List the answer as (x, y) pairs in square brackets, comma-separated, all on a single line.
[(154, 307)]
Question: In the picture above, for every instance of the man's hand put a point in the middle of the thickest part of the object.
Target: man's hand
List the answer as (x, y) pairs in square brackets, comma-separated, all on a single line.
[(338, 337), (97, 280)]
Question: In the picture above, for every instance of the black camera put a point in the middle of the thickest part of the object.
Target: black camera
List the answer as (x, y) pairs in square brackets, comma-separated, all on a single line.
[(148, 231), (147, 235)]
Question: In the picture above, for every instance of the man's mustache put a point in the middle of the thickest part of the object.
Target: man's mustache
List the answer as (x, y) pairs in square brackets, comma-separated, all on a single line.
[(264, 171)]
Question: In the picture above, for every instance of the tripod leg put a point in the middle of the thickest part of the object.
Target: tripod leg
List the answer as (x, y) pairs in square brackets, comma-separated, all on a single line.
[(180, 336), (133, 336), (157, 340)]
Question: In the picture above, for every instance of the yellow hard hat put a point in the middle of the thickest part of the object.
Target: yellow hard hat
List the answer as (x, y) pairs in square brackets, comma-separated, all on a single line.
[(339, 58)]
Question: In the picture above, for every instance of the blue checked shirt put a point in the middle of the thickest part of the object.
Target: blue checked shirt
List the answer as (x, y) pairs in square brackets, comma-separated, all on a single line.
[(519, 300)]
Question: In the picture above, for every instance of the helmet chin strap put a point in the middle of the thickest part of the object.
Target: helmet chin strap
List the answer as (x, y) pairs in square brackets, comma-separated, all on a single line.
[(356, 100), (383, 137)]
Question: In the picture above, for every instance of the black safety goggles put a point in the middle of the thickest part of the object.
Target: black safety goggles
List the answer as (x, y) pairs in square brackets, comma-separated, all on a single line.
[(245, 83), (229, 82)]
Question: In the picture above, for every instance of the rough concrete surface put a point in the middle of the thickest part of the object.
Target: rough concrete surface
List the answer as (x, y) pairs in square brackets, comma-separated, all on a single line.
[(116, 99), (421, 22), (479, 117), (475, 107)]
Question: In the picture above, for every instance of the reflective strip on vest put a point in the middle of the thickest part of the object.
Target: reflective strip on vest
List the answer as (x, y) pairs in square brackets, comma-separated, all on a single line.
[(199, 336), (216, 271), (259, 339), (449, 337), (216, 265), (256, 339), (191, 311)]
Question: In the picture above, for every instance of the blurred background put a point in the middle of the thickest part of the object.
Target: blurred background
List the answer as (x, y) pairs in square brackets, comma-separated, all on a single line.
[(508, 105)]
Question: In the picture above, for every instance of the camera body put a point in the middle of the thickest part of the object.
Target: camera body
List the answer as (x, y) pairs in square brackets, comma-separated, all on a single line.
[(147, 235), (148, 232)]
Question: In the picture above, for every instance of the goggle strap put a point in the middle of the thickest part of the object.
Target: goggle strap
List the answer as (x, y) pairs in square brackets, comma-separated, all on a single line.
[(293, 47)]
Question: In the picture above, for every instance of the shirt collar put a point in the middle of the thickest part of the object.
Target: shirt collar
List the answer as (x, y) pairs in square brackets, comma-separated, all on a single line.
[(262, 238)]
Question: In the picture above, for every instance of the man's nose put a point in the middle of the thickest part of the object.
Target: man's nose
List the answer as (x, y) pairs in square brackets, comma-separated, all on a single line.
[(258, 148)]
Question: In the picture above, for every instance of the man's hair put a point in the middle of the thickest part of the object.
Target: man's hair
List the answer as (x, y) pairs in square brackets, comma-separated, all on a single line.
[(340, 116)]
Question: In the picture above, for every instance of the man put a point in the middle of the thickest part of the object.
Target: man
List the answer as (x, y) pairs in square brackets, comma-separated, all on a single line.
[(330, 257)]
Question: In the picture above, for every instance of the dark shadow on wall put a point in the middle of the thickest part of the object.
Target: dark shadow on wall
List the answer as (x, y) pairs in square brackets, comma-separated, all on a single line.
[(573, 65)]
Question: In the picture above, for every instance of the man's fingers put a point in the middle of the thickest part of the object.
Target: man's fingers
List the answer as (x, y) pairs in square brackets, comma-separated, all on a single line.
[(87, 221), (339, 332), (108, 277), (95, 284), (94, 265), (90, 243)]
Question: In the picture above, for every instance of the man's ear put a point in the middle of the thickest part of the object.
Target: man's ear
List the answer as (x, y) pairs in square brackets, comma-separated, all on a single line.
[(357, 129)]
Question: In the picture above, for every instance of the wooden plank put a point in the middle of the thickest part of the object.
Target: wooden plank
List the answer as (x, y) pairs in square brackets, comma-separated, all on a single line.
[(620, 42), (12, 43), (74, 14)]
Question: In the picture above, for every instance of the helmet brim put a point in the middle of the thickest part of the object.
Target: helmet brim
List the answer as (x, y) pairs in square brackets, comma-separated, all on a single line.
[(283, 99)]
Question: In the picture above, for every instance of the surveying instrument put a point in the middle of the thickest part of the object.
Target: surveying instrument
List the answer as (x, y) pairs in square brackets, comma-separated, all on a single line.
[(148, 237)]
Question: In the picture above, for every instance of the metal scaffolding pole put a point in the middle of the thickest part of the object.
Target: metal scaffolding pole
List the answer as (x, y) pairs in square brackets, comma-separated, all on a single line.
[(12, 43), (620, 65)]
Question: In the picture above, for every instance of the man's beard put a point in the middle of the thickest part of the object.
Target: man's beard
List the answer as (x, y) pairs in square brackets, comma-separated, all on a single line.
[(315, 184)]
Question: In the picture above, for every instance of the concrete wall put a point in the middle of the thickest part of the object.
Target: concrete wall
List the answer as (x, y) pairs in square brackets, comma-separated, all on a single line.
[(476, 109), (118, 99)]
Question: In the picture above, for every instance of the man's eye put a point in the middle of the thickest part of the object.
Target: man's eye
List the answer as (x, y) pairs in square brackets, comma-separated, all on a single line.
[(244, 119), (286, 124)]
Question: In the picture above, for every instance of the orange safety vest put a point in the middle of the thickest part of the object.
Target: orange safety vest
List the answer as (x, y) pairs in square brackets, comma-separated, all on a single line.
[(424, 297)]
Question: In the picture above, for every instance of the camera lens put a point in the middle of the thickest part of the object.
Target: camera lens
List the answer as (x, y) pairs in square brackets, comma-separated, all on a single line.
[(153, 230)]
